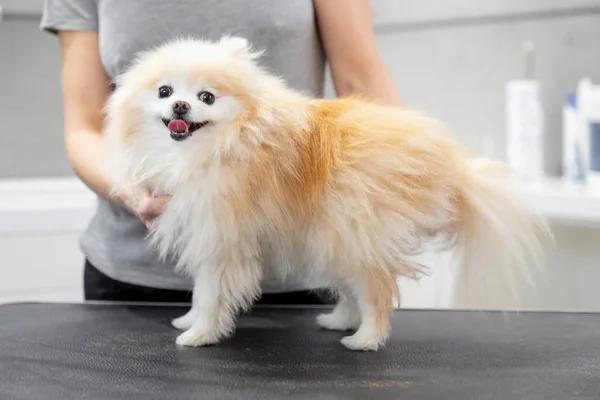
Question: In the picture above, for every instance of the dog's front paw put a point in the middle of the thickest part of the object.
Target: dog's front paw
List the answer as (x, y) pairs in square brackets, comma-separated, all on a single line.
[(184, 322), (360, 342), (337, 322), (196, 338)]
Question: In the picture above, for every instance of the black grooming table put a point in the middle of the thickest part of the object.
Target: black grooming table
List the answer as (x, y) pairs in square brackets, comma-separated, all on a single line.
[(99, 351)]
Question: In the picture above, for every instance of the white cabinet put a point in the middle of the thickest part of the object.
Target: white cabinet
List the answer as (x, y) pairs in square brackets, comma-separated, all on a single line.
[(40, 223)]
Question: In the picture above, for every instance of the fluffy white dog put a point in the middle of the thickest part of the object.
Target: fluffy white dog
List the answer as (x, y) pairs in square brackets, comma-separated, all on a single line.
[(265, 180)]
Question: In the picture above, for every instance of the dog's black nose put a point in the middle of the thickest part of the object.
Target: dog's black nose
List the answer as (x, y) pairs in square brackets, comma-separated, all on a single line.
[(181, 107)]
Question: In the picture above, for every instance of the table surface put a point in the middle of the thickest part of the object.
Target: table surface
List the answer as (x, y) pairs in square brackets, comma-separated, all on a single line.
[(99, 351)]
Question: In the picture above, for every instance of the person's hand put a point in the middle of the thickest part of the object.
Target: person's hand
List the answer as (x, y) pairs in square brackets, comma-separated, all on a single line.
[(151, 207), (147, 206)]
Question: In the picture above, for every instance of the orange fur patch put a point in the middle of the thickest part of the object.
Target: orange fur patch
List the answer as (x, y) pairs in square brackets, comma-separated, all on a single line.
[(388, 154)]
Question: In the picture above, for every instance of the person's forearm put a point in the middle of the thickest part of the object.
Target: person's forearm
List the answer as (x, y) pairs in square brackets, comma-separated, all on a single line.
[(372, 83), (357, 68), (87, 154)]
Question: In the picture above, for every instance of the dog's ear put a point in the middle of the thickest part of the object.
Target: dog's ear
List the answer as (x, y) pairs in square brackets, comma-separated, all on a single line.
[(239, 46)]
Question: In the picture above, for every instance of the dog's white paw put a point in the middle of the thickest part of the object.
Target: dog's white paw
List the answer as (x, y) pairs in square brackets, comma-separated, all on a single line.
[(184, 322), (360, 342), (196, 338), (337, 322)]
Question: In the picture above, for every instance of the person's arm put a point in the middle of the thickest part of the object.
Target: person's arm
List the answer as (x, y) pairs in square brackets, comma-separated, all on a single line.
[(357, 67), (85, 88)]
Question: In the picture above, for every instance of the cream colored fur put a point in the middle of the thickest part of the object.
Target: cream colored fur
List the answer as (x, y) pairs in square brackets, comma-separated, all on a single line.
[(344, 193)]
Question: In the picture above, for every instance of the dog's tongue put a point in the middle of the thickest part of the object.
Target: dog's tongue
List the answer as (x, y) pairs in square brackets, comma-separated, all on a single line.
[(178, 126)]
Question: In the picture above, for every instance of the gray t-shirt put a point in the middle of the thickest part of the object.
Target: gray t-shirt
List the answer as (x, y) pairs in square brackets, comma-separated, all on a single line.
[(115, 240)]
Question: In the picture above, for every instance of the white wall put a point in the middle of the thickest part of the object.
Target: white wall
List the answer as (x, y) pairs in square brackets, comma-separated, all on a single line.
[(451, 58), (31, 141)]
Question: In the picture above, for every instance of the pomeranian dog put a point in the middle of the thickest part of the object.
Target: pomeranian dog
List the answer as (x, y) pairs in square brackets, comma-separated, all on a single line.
[(266, 181)]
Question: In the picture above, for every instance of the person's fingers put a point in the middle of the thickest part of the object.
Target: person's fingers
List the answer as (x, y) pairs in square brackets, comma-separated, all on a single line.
[(151, 207), (144, 209), (157, 204), (155, 207)]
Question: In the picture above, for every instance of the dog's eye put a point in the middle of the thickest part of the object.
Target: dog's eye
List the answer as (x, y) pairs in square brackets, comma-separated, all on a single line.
[(206, 97), (164, 91)]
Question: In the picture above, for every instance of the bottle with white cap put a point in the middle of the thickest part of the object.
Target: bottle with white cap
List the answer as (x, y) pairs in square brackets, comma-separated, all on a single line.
[(524, 115)]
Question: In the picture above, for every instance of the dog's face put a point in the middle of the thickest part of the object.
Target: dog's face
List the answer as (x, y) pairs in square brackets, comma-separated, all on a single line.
[(185, 89), (184, 110)]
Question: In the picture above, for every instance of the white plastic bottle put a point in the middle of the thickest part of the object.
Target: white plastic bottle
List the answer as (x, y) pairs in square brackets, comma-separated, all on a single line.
[(589, 105), (524, 116)]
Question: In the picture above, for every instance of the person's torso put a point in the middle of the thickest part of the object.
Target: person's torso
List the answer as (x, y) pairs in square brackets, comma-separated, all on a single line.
[(285, 29)]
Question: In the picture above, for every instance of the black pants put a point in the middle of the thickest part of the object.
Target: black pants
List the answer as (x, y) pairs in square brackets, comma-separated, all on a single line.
[(98, 286)]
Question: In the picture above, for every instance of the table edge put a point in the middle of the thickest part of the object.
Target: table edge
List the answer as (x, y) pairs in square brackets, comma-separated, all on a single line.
[(311, 306)]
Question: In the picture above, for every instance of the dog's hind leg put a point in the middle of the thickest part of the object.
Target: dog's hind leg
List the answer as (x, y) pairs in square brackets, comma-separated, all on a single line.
[(375, 291)]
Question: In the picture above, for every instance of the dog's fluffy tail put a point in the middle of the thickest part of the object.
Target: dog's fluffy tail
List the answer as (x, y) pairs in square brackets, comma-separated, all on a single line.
[(501, 241)]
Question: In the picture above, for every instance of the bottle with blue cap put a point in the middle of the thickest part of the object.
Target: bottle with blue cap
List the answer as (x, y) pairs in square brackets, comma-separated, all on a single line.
[(575, 160)]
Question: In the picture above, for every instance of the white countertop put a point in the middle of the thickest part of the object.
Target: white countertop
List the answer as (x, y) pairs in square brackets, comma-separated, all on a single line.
[(565, 202), (39, 204)]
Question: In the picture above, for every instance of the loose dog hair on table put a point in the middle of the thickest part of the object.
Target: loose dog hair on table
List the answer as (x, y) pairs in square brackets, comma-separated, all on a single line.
[(267, 181)]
